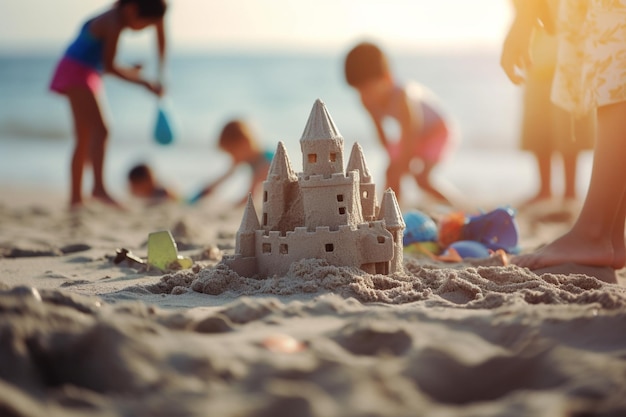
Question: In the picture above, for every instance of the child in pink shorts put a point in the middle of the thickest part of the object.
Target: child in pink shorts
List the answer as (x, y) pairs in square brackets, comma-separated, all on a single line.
[(424, 138), (78, 77)]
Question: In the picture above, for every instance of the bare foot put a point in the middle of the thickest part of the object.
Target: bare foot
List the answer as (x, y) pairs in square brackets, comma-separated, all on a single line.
[(619, 254), (569, 248), (107, 200), (76, 206)]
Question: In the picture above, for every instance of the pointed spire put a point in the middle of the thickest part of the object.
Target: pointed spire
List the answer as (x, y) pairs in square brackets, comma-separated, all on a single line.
[(320, 125), (390, 211), (249, 221), (357, 162), (280, 168)]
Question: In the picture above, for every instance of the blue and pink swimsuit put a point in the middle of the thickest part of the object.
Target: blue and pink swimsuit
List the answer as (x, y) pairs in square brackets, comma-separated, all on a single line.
[(81, 65)]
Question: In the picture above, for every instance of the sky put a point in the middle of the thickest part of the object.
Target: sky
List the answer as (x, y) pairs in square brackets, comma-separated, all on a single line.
[(274, 24)]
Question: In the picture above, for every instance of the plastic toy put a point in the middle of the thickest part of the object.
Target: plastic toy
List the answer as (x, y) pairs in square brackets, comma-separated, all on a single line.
[(430, 249), (324, 212), (163, 130), (462, 236), (496, 229), (451, 228), (469, 249), (163, 253), (419, 228), (196, 197)]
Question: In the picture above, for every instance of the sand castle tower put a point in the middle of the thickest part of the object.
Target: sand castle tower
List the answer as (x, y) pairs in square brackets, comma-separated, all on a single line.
[(330, 197), (367, 189), (322, 212)]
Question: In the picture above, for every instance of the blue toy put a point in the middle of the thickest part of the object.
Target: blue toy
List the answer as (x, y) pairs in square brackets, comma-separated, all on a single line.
[(469, 249), (196, 197), (419, 228), (496, 229), (163, 131)]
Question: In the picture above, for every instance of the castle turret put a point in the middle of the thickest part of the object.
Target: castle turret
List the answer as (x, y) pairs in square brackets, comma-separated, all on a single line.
[(394, 223), (321, 143), (367, 188), (245, 242), (330, 197), (276, 189)]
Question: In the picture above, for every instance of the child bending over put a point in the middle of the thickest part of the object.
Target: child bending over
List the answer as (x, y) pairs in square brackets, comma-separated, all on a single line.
[(424, 135), (237, 140)]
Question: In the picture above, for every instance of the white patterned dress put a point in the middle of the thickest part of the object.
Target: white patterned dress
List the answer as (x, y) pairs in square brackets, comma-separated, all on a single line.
[(591, 65)]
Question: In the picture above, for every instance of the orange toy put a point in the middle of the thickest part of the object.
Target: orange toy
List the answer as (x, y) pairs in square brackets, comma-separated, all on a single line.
[(451, 228)]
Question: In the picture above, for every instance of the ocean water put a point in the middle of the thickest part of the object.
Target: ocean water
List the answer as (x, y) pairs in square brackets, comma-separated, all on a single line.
[(275, 93)]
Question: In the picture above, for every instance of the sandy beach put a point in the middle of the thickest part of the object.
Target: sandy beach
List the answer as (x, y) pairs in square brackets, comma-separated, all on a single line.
[(83, 333)]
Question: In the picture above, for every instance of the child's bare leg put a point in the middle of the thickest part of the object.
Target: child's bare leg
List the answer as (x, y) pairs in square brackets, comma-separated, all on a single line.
[(98, 153), (424, 181), (91, 133), (393, 175), (570, 162), (544, 166), (82, 134), (592, 241)]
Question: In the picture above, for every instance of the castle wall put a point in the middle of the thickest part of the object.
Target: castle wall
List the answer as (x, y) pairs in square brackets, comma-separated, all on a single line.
[(347, 246), (332, 201), (368, 201)]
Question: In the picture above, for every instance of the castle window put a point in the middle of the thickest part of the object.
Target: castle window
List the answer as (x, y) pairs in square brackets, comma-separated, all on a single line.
[(312, 158), (340, 197), (264, 219), (332, 157), (342, 210), (267, 248), (330, 247), (365, 194), (381, 239), (283, 249), (265, 196)]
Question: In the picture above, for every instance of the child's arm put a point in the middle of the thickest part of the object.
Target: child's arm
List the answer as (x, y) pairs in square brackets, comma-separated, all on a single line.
[(409, 124), (380, 132), (162, 48), (207, 190), (131, 74)]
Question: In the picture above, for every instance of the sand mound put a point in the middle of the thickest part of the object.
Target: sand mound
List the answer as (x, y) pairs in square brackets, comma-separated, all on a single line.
[(468, 287)]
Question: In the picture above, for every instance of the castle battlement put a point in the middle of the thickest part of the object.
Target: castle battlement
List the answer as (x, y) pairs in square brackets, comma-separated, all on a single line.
[(376, 224), (304, 233), (319, 180), (336, 215)]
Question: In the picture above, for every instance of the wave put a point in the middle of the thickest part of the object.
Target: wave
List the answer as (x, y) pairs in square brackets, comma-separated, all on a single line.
[(23, 129)]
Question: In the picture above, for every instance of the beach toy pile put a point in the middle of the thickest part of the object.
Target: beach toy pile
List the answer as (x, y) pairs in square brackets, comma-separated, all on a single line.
[(457, 236)]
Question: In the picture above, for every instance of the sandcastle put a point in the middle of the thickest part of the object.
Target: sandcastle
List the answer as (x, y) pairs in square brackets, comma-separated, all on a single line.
[(322, 212)]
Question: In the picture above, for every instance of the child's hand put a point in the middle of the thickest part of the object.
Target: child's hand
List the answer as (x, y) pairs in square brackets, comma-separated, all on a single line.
[(198, 196), (154, 87), (135, 71)]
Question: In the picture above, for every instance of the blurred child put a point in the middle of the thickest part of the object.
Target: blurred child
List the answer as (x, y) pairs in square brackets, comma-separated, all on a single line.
[(143, 184), (548, 129), (78, 77), (424, 134), (237, 140)]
